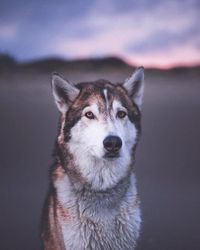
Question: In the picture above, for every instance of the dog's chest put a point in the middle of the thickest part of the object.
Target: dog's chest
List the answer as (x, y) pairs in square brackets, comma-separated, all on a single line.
[(98, 221), (84, 234), (111, 233)]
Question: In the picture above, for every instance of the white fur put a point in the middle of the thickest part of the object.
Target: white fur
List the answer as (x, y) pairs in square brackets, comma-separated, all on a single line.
[(76, 229), (105, 91), (86, 145)]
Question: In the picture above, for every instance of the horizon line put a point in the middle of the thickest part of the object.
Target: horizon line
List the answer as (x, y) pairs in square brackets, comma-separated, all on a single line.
[(119, 57)]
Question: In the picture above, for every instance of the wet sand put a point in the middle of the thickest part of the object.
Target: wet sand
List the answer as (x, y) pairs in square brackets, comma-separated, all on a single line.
[(167, 160)]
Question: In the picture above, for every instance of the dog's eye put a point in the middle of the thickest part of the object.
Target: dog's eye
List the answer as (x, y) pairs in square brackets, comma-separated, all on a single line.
[(89, 115), (121, 114)]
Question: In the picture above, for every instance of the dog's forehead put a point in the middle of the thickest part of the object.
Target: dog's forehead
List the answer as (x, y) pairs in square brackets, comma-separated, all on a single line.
[(103, 93)]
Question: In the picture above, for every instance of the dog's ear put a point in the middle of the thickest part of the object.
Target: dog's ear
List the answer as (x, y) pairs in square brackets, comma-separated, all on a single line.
[(135, 86), (64, 92)]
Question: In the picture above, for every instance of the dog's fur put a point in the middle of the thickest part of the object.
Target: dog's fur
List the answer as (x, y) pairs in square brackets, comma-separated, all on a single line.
[(92, 202)]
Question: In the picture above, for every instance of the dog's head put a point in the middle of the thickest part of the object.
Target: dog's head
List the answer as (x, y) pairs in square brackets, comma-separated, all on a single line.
[(100, 125)]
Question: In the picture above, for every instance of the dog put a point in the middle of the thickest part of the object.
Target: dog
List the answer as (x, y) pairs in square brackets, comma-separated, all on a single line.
[(92, 201)]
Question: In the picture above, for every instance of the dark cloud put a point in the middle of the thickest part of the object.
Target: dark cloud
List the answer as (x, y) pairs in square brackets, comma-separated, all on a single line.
[(42, 10), (39, 24), (162, 39), (130, 5)]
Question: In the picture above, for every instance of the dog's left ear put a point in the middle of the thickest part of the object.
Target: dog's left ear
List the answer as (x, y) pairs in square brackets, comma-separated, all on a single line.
[(64, 92), (135, 86)]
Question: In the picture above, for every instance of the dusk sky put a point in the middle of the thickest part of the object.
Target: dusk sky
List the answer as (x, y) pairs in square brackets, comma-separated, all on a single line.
[(143, 32)]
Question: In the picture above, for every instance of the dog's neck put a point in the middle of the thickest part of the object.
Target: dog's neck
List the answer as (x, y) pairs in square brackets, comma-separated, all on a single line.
[(73, 192)]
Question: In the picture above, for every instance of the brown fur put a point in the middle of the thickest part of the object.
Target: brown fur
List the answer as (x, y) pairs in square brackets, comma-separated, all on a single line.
[(52, 240)]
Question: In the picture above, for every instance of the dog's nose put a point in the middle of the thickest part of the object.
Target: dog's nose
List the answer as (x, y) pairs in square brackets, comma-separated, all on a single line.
[(112, 144)]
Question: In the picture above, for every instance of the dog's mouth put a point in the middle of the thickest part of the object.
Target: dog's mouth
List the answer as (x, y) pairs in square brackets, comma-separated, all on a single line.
[(111, 155)]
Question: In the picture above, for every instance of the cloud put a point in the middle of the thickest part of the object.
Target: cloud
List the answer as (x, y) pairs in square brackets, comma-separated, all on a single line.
[(138, 33), (165, 39), (134, 30), (184, 55), (8, 30)]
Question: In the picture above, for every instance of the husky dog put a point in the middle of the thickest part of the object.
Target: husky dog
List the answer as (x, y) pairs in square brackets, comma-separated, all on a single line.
[(92, 201)]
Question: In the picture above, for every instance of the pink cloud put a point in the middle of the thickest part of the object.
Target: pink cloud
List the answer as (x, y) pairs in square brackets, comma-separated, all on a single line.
[(114, 32), (9, 30)]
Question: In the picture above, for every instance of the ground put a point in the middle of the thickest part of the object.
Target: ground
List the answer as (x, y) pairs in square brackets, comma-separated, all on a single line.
[(167, 160)]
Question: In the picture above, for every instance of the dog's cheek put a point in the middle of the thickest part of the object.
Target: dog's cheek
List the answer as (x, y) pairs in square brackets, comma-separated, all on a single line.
[(88, 138), (93, 137), (130, 135)]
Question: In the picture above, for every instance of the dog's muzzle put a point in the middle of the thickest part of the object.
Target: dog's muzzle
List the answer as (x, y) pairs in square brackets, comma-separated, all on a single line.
[(112, 145)]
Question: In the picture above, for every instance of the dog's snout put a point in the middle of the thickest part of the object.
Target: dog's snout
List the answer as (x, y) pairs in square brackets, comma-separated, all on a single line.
[(112, 144)]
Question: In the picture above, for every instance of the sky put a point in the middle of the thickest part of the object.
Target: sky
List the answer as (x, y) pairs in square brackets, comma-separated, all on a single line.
[(143, 32)]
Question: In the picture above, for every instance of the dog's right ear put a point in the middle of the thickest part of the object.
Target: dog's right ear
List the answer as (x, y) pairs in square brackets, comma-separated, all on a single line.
[(64, 92), (135, 86)]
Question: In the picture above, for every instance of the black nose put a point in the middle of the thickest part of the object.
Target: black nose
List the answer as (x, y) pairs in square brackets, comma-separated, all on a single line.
[(112, 144)]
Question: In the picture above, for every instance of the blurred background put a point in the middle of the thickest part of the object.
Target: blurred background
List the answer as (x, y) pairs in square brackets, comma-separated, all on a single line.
[(88, 40)]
